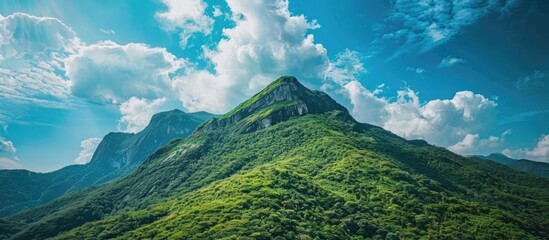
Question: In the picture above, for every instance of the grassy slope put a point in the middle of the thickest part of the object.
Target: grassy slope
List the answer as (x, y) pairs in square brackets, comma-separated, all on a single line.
[(315, 176)]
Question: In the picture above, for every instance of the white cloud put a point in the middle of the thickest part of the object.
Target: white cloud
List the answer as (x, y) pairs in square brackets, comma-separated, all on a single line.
[(217, 11), (107, 31), (88, 148), (539, 153), (112, 73), (187, 16), (444, 122), (449, 61), (6, 146), (415, 70), (537, 79), (136, 113), (424, 25), (266, 42), (6, 163), (8, 160), (32, 50), (473, 144), (346, 67)]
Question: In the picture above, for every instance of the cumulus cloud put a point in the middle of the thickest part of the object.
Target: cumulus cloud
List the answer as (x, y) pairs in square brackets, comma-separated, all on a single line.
[(88, 148), (539, 153), (32, 50), (137, 112), (442, 122), (473, 144), (6, 146), (453, 122), (110, 73), (266, 42), (449, 61), (8, 160), (424, 25), (187, 16)]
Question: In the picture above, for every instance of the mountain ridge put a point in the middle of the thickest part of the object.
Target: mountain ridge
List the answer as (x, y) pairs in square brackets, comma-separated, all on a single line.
[(310, 176), (284, 98), (533, 167), (116, 155)]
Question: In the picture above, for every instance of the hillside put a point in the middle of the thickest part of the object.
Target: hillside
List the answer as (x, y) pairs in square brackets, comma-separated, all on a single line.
[(537, 168), (292, 163), (116, 155)]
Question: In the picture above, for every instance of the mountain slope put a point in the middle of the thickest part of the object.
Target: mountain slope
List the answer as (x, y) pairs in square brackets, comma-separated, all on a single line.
[(116, 155), (537, 168), (304, 174)]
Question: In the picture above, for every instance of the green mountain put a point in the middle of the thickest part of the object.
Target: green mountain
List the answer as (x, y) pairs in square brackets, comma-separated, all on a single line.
[(291, 163), (116, 155), (537, 168)]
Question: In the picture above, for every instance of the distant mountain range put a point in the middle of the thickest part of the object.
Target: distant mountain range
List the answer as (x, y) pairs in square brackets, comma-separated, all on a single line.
[(117, 155), (537, 168), (291, 163)]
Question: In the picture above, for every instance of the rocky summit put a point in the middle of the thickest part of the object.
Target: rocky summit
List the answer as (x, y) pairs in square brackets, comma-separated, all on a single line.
[(290, 163)]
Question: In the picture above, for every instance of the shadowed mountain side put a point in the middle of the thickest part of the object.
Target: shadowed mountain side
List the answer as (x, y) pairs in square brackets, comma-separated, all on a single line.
[(117, 155), (536, 168)]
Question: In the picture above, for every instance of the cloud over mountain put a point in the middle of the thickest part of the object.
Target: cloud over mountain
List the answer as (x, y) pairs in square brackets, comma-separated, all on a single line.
[(137, 112), (540, 152), (88, 148), (267, 41)]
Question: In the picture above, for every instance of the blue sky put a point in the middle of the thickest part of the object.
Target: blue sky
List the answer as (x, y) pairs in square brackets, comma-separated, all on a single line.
[(472, 76)]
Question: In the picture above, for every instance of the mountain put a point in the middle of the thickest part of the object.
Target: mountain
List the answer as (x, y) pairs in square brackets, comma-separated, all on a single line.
[(116, 155), (537, 168), (291, 163)]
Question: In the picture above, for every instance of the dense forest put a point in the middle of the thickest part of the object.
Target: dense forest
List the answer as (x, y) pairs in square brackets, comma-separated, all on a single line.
[(268, 170)]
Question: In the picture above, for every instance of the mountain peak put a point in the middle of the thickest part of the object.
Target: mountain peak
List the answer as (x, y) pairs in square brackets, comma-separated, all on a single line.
[(281, 100)]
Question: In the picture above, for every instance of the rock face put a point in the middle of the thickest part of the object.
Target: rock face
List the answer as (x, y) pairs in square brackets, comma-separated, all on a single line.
[(314, 176), (117, 155), (281, 100), (120, 153)]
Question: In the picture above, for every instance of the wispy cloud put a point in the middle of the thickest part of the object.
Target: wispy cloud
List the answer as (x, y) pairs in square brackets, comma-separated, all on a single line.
[(449, 61), (535, 86), (107, 31), (31, 68), (423, 25), (415, 70), (537, 79), (520, 117), (6, 163)]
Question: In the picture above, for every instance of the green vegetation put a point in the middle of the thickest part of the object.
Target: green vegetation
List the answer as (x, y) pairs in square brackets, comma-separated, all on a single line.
[(536, 168), (318, 176), (246, 104), (117, 155)]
